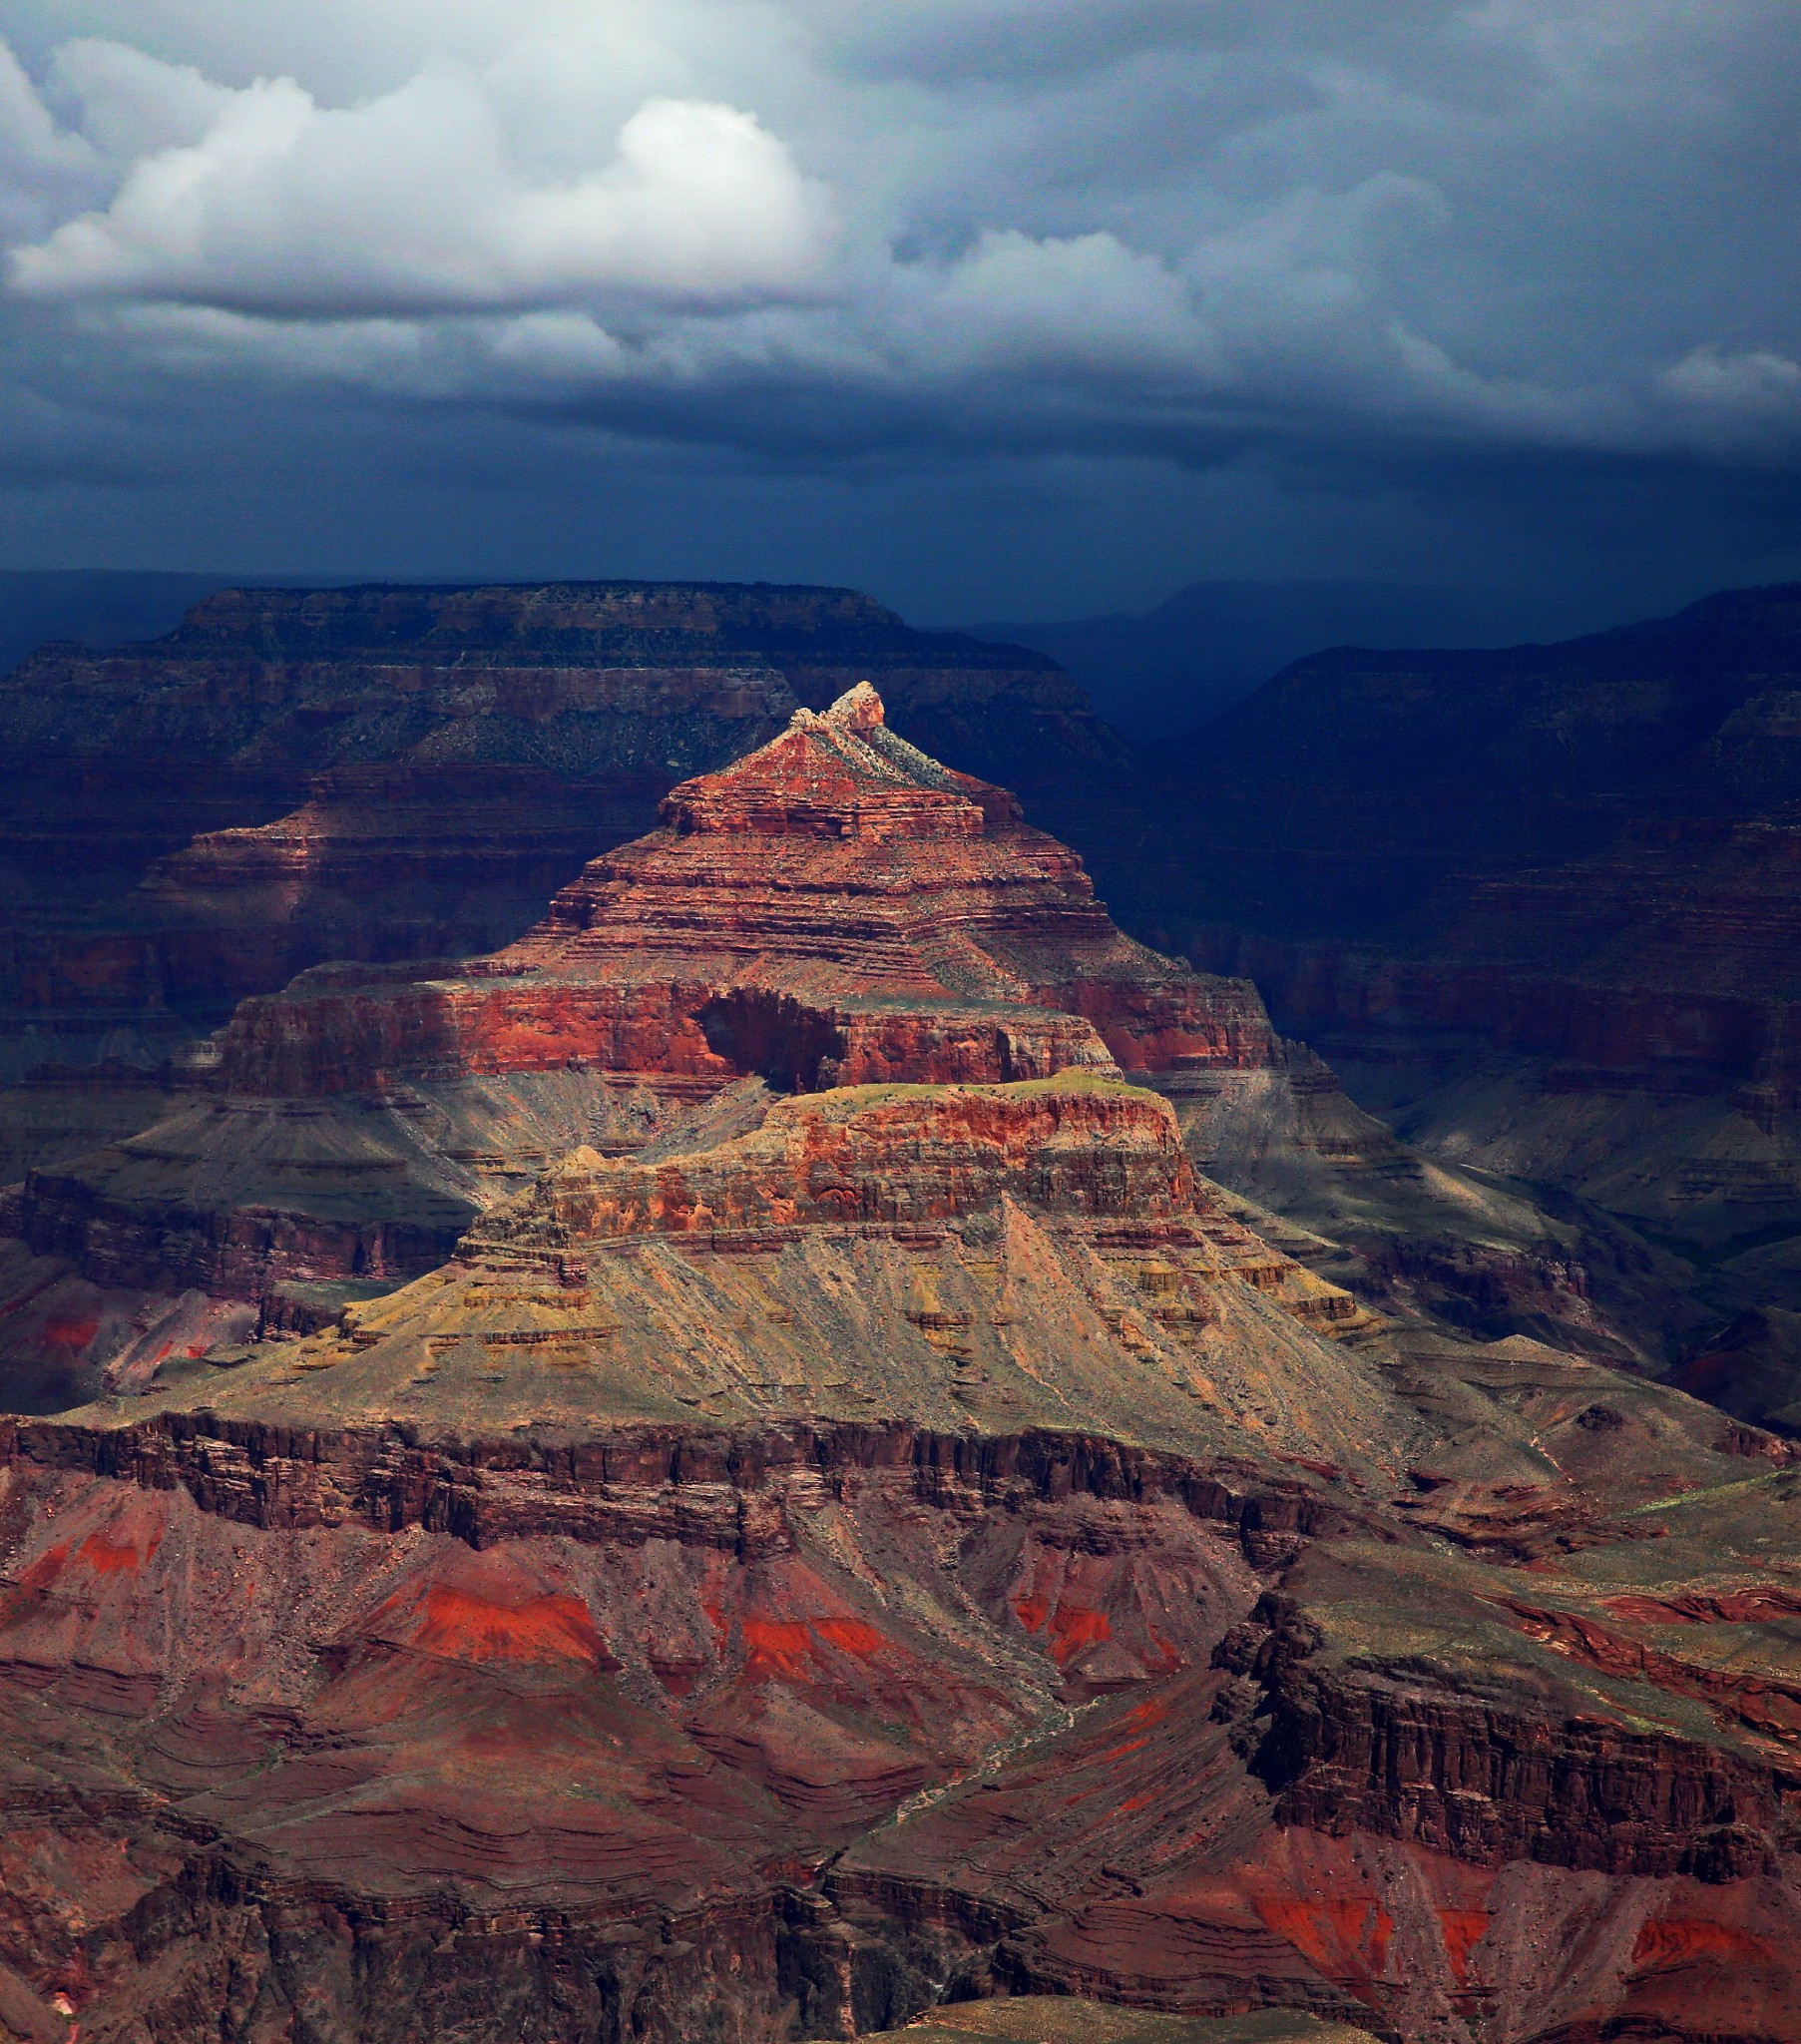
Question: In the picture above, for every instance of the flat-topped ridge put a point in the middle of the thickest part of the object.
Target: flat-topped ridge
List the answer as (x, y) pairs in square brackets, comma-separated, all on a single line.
[(584, 620)]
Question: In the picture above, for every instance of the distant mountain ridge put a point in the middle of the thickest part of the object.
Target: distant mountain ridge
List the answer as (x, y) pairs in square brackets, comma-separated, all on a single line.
[(1211, 643), (1356, 781)]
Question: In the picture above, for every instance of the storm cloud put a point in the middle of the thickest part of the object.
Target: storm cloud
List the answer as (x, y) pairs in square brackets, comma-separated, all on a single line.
[(1429, 246)]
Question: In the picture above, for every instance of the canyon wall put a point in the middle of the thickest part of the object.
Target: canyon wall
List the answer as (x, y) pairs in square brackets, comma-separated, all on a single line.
[(1537, 905), (723, 1470)]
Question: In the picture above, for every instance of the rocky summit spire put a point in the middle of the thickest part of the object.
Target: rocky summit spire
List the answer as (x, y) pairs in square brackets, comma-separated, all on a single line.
[(840, 773), (858, 709)]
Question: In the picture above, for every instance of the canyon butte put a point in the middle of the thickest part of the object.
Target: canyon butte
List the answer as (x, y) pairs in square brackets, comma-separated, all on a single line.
[(800, 1431), (402, 777)]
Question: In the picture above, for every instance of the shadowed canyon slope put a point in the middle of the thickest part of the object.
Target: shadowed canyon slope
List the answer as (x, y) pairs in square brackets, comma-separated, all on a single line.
[(1541, 907), (833, 1512)]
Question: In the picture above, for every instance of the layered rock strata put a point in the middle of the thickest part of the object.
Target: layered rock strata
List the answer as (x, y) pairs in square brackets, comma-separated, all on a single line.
[(1036, 1253), (860, 1523), (422, 1676), (1511, 1783), (835, 909), (455, 755)]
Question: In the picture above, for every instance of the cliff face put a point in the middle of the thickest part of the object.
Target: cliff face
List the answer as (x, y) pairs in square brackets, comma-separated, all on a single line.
[(767, 1721), (842, 1514), (879, 1153), (1454, 1797), (543, 1785)]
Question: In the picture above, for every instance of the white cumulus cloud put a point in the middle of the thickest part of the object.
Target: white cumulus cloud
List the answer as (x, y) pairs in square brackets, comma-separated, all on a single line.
[(415, 202)]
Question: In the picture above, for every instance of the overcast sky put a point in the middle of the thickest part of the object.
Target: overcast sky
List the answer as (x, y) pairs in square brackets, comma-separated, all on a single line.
[(994, 308)]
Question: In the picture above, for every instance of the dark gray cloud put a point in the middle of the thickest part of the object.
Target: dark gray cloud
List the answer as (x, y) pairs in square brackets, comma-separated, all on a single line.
[(1325, 285)]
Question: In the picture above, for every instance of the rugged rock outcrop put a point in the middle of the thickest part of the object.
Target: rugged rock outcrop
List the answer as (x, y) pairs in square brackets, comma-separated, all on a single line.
[(836, 909), (455, 755), (879, 1153), (1456, 1798)]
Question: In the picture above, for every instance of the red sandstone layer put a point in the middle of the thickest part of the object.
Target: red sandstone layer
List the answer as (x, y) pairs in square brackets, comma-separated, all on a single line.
[(907, 1154), (817, 1724)]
